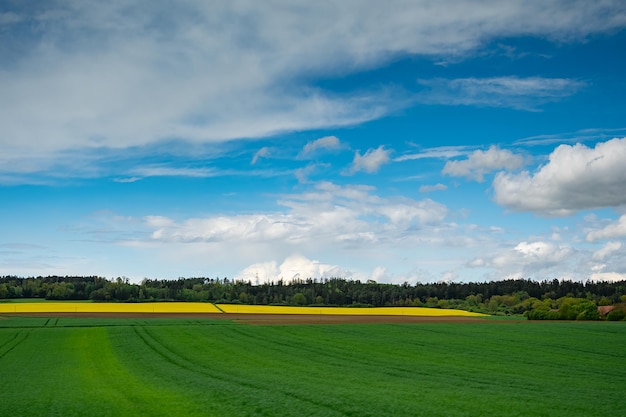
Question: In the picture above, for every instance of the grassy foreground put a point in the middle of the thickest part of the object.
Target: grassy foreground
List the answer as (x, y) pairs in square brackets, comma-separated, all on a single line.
[(184, 367)]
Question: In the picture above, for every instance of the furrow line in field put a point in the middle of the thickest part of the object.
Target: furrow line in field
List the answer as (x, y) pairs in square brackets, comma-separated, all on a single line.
[(339, 355), (198, 368), (595, 352), (10, 340), (13, 343), (152, 344), (171, 357), (175, 359)]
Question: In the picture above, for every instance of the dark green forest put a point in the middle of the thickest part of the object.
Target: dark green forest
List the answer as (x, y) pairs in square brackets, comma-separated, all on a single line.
[(548, 299)]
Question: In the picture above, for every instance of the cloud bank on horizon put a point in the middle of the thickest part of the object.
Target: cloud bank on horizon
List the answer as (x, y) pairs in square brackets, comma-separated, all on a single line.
[(406, 141)]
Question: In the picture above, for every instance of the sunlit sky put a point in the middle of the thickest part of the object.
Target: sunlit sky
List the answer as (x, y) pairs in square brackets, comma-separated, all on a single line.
[(400, 141)]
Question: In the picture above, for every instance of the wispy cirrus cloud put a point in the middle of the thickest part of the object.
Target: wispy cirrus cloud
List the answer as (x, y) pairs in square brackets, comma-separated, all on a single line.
[(370, 161), (327, 143), (579, 136), (514, 92), (264, 152), (127, 180), (168, 171), (431, 188), (442, 152)]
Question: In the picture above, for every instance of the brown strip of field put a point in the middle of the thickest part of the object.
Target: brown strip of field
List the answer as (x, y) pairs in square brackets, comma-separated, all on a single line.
[(272, 318)]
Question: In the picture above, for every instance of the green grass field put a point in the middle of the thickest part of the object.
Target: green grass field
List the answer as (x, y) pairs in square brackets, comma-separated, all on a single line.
[(183, 367)]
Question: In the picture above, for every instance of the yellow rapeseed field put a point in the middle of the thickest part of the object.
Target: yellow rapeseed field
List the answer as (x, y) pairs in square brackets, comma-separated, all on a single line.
[(374, 311), (188, 307), (61, 307)]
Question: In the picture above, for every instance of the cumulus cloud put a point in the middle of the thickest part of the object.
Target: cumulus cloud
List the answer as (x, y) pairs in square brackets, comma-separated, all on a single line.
[(292, 268), (328, 215), (118, 74), (575, 178), (606, 250), (614, 230), (297, 266), (339, 225), (608, 276), (536, 258), (371, 161), (479, 163), (329, 143), (541, 251), (514, 92)]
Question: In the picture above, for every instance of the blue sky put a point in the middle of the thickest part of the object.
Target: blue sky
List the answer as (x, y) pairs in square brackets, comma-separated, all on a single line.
[(411, 141)]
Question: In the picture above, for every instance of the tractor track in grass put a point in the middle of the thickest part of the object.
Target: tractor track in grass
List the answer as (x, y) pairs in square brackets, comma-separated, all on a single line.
[(175, 359), (12, 343)]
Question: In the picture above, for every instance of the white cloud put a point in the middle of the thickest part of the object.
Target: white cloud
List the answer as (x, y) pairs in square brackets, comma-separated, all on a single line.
[(329, 215), (606, 250), (293, 267), (533, 259), (260, 272), (296, 266), (514, 92), (371, 161), (613, 230), (607, 263), (167, 171), (477, 263), (264, 152), (541, 251), (449, 276), (579, 136), (127, 180), (444, 152), (608, 276), (329, 143), (118, 74), (575, 178), (435, 187), (349, 229), (479, 163), (303, 174)]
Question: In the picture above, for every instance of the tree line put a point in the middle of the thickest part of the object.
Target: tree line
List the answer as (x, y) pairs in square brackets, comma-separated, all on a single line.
[(547, 299)]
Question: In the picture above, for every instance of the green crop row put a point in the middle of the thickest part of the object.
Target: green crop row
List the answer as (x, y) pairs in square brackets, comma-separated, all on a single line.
[(122, 367)]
